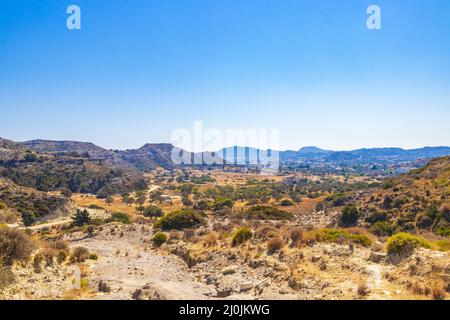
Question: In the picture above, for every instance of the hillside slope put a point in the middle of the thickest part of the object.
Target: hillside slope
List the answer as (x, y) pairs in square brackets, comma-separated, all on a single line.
[(418, 200)]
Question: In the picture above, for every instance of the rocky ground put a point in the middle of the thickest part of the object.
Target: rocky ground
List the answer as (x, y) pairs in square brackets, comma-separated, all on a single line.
[(128, 266)]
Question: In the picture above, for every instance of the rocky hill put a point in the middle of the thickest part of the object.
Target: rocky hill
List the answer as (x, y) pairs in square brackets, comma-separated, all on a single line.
[(49, 169), (17, 203), (416, 201)]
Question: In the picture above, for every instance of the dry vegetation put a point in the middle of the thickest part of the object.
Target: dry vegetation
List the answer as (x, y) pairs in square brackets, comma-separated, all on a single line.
[(212, 234)]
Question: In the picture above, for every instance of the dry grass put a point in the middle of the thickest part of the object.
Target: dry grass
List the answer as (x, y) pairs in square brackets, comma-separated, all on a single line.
[(274, 245), (297, 237), (210, 240), (437, 292), (79, 254), (363, 290)]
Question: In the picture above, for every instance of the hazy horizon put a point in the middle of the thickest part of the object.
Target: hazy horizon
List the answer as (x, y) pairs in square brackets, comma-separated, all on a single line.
[(136, 72), (240, 146)]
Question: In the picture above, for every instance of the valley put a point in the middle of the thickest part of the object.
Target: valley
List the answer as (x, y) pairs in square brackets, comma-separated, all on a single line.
[(79, 222)]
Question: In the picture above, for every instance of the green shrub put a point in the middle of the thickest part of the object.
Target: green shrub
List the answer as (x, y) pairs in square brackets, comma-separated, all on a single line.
[(263, 212), (443, 245), (159, 238), (153, 212), (349, 217), (96, 207), (442, 230), (119, 217), (337, 199), (240, 236), (382, 228), (81, 218), (15, 245), (181, 219), (339, 235), (286, 203), (361, 239), (222, 202), (424, 222), (379, 216), (93, 256), (404, 243), (28, 218), (202, 205)]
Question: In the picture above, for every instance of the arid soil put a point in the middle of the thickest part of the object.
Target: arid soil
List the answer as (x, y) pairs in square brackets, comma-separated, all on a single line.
[(128, 266)]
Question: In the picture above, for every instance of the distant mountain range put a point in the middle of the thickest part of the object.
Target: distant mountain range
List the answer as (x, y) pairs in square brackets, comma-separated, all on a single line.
[(151, 156)]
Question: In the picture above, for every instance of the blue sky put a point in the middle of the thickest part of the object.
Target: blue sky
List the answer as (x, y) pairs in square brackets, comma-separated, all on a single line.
[(138, 70)]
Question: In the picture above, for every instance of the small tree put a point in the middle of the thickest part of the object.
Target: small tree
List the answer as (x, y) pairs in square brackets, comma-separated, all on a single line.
[(109, 200), (155, 196), (28, 218), (81, 218), (153, 212), (349, 217), (187, 202), (140, 200)]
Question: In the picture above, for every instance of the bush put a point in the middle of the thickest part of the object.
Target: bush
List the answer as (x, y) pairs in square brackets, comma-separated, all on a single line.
[(79, 254), (119, 217), (337, 199), (263, 212), (15, 245), (378, 216), (443, 245), (202, 205), (286, 203), (153, 212), (349, 217), (210, 239), (159, 238), (405, 243), (382, 228), (240, 236), (222, 202), (424, 222), (442, 230), (95, 207), (296, 236), (275, 244), (28, 218), (60, 249), (81, 218), (223, 212), (437, 292), (185, 218), (6, 276), (339, 235)]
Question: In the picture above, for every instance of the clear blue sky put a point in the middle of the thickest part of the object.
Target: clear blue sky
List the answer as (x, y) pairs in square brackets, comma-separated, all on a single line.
[(139, 69)]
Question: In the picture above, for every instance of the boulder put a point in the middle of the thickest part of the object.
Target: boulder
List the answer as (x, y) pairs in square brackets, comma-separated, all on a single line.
[(229, 270), (245, 286)]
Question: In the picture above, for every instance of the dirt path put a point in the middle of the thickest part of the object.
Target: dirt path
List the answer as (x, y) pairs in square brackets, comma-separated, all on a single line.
[(126, 265)]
